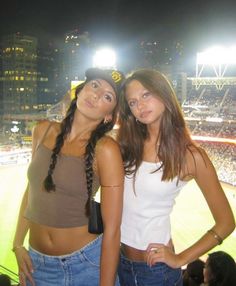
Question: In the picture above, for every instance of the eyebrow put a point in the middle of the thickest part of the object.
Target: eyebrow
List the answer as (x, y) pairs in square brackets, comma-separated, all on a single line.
[(129, 98), (112, 93), (97, 80)]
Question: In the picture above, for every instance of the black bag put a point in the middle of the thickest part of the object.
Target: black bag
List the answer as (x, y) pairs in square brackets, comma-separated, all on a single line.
[(95, 224)]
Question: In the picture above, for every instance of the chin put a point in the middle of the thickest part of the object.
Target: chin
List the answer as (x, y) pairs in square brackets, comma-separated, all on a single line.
[(146, 121)]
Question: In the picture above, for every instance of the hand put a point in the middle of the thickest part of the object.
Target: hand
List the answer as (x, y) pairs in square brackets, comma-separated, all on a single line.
[(157, 252), (25, 266)]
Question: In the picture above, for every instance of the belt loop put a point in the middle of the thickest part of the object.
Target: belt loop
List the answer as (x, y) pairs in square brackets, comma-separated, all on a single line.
[(41, 259)]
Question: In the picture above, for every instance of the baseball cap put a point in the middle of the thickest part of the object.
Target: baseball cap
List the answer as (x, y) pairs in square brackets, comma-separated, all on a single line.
[(114, 77)]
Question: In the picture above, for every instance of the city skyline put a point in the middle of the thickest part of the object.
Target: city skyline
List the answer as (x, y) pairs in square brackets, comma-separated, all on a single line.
[(197, 24)]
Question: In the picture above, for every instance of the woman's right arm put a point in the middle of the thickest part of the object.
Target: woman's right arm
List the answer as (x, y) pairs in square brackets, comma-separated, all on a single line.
[(25, 266)]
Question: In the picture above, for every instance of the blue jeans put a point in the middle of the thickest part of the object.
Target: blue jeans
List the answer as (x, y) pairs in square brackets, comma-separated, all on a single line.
[(80, 268), (140, 274)]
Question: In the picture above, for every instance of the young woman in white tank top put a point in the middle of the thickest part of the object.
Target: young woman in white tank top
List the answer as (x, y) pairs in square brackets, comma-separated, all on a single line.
[(160, 158)]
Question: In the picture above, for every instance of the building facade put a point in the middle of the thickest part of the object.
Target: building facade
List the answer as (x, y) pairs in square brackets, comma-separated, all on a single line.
[(19, 74)]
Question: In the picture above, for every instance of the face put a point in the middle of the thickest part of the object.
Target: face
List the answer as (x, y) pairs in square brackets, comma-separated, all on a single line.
[(144, 105), (97, 100)]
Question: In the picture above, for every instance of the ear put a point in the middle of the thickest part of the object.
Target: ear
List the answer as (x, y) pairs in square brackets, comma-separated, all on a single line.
[(107, 118)]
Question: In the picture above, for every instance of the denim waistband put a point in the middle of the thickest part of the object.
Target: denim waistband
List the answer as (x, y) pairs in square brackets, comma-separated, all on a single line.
[(127, 261), (74, 253)]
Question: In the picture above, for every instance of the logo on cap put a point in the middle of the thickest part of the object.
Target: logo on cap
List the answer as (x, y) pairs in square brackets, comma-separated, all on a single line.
[(116, 76)]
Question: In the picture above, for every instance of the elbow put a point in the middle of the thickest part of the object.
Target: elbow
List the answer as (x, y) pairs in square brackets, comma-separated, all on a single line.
[(230, 226), (233, 225), (112, 233)]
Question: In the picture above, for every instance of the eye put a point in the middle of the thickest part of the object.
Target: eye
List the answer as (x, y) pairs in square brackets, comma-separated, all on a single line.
[(146, 95), (94, 84), (132, 103), (108, 97)]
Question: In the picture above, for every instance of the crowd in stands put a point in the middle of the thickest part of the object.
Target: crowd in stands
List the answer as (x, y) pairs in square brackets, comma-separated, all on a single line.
[(218, 270), (223, 157), (209, 100), (5, 280), (213, 129), (211, 112)]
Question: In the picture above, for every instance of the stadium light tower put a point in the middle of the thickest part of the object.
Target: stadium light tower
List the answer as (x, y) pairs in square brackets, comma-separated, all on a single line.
[(218, 58), (105, 58)]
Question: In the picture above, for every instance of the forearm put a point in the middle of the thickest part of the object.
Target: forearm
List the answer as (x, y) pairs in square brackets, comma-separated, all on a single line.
[(22, 224), (205, 175), (21, 231), (208, 241), (109, 258)]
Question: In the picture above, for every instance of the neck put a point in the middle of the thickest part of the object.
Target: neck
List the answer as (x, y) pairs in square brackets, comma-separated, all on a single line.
[(81, 128), (153, 134)]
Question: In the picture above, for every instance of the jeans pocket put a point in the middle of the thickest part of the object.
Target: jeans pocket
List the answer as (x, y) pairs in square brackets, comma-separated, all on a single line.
[(92, 258), (36, 261), (179, 281), (174, 277)]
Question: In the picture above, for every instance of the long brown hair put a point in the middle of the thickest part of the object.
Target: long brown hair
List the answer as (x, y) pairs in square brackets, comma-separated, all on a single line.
[(174, 137), (101, 129)]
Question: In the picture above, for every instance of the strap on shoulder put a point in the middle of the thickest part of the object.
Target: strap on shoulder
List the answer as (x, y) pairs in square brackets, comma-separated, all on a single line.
[(44, 135)]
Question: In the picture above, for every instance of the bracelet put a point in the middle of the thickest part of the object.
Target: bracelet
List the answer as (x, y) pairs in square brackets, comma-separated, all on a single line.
[(14, 248), (215, 235)]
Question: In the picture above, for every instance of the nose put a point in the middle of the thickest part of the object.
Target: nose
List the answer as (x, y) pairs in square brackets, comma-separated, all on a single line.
[(97, 95), (140, 104)]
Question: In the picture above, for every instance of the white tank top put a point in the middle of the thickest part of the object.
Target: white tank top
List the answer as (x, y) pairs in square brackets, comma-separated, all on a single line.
[(146, 211)]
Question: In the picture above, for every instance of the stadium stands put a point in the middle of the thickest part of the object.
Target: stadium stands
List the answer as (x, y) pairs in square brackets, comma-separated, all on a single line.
[(211, 112)]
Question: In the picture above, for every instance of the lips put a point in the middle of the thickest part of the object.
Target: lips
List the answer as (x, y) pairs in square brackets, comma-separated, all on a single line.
[(89, 103), (144, 114)]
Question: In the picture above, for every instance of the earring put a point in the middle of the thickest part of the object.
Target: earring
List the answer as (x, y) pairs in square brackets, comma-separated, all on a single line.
[(105, 121), (136, 120)]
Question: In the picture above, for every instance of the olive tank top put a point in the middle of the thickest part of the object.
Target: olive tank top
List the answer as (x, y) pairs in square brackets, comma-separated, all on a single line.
[(65, 207)]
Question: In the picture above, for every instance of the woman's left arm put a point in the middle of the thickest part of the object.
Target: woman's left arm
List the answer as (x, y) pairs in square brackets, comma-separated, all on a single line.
[(203, 171), (111, 173), (207, 180)]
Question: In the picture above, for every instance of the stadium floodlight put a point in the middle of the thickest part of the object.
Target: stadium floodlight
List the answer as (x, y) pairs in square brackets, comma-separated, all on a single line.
[(217, 55), (105, 58)]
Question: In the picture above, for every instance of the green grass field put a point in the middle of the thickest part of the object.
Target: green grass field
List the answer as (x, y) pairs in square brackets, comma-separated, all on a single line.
[(190, 218)]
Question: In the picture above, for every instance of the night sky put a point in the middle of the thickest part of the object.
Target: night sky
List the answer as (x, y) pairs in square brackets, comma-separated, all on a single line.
[(197, 23)]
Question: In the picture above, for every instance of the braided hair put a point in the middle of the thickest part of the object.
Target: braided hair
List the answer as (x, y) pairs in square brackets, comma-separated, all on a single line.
[(96, 134)]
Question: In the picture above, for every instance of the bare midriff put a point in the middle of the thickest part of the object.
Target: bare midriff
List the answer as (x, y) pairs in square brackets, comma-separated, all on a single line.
[(58, 241), (135, 254)]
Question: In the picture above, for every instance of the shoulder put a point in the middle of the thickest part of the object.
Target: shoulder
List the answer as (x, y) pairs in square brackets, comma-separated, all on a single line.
[(40, 129), (196, 153), (106, 146), (108, 161), (197, 160)]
